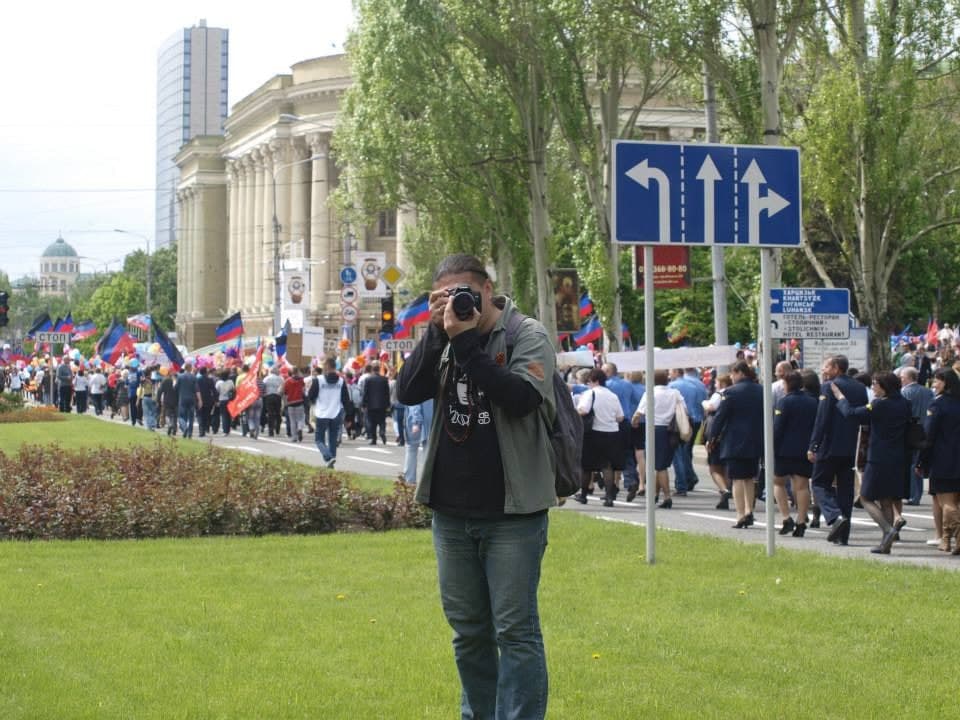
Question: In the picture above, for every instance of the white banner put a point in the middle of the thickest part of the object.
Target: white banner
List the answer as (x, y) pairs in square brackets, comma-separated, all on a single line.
[(575, 358), (685, 357), (370, 266), (294, 288), (313, 341)]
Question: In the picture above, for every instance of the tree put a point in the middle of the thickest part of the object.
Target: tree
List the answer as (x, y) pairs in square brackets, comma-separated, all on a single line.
[(883, 146)]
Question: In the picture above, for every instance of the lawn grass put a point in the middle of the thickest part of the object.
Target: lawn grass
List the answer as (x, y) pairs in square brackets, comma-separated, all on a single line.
[(349, 626)]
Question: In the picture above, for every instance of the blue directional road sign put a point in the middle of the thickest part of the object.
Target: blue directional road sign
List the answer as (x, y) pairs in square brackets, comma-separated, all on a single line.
[(702, 194), (808, 313)]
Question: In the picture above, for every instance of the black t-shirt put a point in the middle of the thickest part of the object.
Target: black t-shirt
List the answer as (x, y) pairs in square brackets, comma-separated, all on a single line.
[(468, 469)]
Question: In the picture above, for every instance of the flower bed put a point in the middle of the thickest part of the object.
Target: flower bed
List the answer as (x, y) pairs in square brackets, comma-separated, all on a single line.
[(47, 492)]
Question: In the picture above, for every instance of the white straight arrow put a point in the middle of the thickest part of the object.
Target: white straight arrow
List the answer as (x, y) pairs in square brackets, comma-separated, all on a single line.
[(771, 202), (709, 175), (643, 174)]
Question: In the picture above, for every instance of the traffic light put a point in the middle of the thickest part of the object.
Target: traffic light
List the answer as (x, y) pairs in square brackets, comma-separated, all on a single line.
[(386, 315), (4, 308)]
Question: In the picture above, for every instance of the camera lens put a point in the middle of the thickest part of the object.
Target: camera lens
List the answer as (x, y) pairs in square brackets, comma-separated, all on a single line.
[(463, 305)]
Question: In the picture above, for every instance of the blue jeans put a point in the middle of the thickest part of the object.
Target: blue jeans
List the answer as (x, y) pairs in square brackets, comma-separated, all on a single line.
[(326, 433), (489, 571), (684, 477), (149, 413), (187, 413)]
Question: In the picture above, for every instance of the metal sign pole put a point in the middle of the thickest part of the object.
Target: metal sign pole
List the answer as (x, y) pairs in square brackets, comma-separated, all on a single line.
[(767, 355), (650, 454)]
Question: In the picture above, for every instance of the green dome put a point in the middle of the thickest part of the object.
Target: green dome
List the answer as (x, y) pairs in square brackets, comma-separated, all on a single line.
[(61, 248)]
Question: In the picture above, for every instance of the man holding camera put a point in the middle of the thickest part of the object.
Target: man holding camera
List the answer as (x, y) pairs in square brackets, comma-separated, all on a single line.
[(489, 480)]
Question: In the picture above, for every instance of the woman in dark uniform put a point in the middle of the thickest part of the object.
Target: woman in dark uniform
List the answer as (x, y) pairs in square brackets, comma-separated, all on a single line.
[(793, 422), (717, 471), (888, 415), (737, 433), (940, 461)]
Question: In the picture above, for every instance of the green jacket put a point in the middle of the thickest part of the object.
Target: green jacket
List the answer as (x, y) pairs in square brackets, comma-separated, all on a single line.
[(528, 459)]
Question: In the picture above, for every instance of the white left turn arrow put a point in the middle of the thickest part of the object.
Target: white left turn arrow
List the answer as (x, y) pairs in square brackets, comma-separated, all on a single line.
[(771, 202), (643, 174)]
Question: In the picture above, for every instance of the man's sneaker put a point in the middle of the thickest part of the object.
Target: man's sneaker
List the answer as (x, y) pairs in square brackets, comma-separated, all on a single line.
[(331, 462)]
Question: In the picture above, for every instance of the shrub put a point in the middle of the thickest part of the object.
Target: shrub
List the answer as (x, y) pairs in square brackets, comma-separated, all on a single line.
[(10, 402), (155, 491), (47, 413)]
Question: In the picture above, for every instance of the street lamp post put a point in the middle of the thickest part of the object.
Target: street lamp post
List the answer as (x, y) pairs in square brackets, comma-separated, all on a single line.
[(147, 256)]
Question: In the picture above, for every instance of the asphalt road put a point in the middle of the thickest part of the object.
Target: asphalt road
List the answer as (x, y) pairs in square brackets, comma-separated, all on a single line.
[(697, 513)]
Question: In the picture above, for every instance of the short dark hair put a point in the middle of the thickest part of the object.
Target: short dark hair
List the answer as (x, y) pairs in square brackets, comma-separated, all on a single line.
[(951, 381), (598, 376), (888, 381), (743, 367), (841, 363), (811, 381), (459, 263), (793, 381)]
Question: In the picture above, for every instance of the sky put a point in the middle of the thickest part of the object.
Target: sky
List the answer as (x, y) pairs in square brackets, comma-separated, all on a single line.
[(78, 130)]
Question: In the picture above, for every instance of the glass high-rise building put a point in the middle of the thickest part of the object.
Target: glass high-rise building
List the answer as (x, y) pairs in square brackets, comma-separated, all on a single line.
[(191, 101)]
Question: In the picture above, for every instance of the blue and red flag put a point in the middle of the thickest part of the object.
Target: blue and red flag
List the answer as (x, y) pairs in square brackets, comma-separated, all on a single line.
[(65, 325), (624, 331), (41, 324), (116, 343), (586, 306), (141, 322), (280, 346), (589, 332), (413, 314), (84, 330), (230, 328), (169, 349)]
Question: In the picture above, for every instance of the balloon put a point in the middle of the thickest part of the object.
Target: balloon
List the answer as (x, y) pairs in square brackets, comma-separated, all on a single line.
[(75, 354), (134, 363), (164, 371)]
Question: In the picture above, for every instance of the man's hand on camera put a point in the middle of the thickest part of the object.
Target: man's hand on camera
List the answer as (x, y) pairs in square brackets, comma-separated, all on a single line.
[(454, 325), (438, 304)]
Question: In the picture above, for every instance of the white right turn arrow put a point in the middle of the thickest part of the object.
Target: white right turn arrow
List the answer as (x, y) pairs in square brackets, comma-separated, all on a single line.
[(771, 202)]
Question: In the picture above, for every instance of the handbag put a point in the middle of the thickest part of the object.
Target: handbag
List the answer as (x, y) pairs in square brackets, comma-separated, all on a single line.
[(588, 418), (682, 420)]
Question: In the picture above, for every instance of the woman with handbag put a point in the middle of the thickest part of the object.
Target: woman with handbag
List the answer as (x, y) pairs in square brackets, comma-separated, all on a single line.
[(668, 403), (602, 447)]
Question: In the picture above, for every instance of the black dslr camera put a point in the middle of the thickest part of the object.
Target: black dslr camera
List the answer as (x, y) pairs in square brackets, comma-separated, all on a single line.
[(464, 301)]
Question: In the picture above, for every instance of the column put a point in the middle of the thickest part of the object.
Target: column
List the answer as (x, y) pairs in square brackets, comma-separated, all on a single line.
[(186, 230), (281, 243), (299, 222), (233, 230), (198, 231), (264, 272), (264, 189), (249, 229), (181, 269), (319, 222)]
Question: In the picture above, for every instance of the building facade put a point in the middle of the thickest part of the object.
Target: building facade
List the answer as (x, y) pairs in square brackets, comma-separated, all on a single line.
[(191, 102)]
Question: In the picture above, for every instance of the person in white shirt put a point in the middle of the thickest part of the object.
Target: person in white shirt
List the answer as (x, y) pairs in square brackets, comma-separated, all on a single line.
[(96, 386), (602, 443), (665, 401)]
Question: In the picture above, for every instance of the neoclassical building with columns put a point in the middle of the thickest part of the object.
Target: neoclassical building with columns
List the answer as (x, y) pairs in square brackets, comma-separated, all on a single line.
[(275, 155)]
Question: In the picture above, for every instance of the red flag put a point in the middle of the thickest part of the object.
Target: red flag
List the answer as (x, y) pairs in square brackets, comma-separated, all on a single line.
[(247, 390), (932, 332)]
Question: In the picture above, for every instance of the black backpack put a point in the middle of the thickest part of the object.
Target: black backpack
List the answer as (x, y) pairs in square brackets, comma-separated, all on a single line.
[(566, 433), (915, 438)]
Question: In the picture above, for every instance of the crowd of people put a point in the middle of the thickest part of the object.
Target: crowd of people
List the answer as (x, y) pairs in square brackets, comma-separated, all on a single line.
[(842, 438), (197, 398)]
